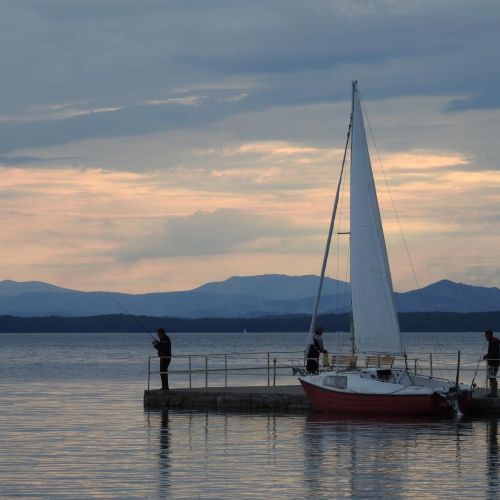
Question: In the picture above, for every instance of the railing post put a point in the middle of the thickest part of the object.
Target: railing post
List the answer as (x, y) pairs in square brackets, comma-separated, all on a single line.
[(458, 371), (225, 370), (415, 366), (206, 372), (149, 370), (274, 372), (430, 363), (190, 370), (268, 370)]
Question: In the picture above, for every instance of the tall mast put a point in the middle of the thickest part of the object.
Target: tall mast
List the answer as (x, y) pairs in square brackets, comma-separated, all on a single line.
[(351, 317), (328, 241)]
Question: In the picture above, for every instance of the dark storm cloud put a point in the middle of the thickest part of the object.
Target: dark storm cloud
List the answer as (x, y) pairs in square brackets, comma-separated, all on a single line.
[(12, 161), (134, 120), (118, 55)]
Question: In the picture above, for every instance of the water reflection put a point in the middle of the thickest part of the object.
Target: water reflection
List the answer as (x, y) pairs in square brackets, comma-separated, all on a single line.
[(164, 454), (383, 457), (222, 455), (159, 426), (492, 455), (340, 449)]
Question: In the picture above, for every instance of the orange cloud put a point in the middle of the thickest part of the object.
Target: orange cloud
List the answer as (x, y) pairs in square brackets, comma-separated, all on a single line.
[(422, 160), (63, 225)]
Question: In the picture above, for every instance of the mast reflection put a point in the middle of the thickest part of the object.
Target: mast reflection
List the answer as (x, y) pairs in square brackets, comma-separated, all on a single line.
[(492, 454)]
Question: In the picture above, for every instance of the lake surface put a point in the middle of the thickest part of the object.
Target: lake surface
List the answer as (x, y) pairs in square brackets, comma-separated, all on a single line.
[(72, 425)]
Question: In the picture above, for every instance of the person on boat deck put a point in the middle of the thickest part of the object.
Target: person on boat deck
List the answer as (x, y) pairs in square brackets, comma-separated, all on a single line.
[(164, 347), (317, 346), (493, 359)]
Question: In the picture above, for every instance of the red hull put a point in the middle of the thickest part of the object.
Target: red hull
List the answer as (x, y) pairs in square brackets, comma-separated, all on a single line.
[(331, 401)]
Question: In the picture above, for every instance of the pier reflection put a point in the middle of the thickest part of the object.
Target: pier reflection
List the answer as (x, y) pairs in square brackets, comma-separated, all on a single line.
[(492, 455), (159, 425)]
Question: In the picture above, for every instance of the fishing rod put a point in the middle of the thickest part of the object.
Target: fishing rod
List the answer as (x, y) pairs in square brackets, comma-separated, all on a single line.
[(134, 317), (477, 366)]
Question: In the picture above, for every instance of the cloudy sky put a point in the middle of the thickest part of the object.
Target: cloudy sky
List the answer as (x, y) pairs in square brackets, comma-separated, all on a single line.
[(157, 145)]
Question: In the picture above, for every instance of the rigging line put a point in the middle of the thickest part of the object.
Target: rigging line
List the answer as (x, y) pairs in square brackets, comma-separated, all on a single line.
[(390, 193), (341, 221), (342, 291), (477, 366), (349, 296), (328, 241), (134, 317)]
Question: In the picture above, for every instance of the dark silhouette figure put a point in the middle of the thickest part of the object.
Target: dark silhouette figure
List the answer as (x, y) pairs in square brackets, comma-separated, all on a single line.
[(493, 359), (316, 346), (164, 347)]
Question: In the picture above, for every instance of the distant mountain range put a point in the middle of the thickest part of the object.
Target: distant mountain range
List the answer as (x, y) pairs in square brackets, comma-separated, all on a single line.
[(236, 297)]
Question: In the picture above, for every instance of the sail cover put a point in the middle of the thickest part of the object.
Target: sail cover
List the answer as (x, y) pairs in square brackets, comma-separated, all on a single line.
[(376, 328)]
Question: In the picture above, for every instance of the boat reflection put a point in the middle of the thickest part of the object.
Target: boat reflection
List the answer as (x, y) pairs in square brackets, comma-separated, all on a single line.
[(366, 456)]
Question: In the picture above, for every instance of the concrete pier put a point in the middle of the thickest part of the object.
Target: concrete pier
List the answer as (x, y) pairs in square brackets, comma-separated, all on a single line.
[(283, 398), (482, 406)]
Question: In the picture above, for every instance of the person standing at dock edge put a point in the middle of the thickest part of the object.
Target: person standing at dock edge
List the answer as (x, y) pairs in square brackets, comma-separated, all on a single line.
[(493, 358), (164, 347), (317, 346)]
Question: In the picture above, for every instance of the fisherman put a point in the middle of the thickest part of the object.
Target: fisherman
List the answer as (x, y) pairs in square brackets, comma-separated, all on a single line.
[(317, 346), (164, 347), (493, 360)]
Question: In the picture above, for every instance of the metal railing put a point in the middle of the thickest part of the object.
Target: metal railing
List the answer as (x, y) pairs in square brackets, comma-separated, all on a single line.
[(261, 367), (270, 368)]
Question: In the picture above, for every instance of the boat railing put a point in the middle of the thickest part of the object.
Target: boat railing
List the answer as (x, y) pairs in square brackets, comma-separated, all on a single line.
[(441, 367), (273, 368)]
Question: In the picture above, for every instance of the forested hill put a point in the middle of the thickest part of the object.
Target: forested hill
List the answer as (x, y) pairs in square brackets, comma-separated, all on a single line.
[(409, 322)]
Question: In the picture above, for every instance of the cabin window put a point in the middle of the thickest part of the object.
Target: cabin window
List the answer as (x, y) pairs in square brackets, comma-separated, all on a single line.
[(337, 381), (384, 375)]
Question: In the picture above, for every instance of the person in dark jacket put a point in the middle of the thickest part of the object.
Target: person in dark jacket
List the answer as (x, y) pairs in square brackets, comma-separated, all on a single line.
[(493, 359), (316, 346), (164, 347)]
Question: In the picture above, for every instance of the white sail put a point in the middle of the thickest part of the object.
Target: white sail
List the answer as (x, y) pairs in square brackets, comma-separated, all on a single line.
[(375, 321)]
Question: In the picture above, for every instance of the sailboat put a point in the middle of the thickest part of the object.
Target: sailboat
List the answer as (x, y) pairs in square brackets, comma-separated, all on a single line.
[(372, 390)]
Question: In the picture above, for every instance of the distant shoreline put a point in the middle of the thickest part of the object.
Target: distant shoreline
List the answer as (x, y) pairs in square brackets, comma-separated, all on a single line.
[(409, 322)]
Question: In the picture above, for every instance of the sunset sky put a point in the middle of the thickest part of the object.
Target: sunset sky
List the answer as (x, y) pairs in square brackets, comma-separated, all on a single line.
[(157, 145)]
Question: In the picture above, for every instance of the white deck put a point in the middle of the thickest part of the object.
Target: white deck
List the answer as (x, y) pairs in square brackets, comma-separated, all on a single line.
[(378, 381)]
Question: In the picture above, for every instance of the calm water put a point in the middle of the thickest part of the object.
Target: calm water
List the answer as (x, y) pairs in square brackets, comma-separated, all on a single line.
[(72, 425)]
